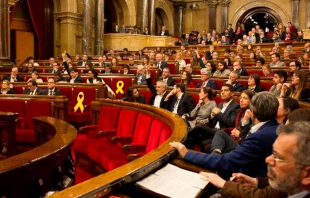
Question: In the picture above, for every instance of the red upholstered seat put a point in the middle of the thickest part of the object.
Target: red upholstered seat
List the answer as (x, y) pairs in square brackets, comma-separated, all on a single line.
[(147, 94), (125, 128), (117, 86), (166, 132)]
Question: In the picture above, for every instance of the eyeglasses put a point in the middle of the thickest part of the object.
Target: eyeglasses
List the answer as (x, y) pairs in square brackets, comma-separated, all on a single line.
[(276, 159)]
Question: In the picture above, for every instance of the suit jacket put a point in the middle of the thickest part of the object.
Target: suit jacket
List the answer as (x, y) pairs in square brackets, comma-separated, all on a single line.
[(238, 87), (170, 81), (78, 79), (11, 91), (235, 189), (228, 118), (257, 89), (210, 84), (162, 65), (186, 104), (248, 158), (56, 92), (165, 34), (243, 72), (8, 78), (27, 70), (163, 104), (129, 72), (80, 63), (38, 91)]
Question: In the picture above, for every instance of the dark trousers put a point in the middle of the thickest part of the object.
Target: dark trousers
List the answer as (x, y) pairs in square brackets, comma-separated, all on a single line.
[(223, 142), (198, 134)]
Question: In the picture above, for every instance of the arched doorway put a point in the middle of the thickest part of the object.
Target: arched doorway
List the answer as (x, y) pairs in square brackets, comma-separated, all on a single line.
[(265, 17)]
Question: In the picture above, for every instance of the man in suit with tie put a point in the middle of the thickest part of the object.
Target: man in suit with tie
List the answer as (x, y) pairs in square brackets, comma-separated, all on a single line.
[(159, 92), (182, 103), (160, 63), (74, 76), (52, 90), (84, 60), (222, 117), (30, 68), (13, 77), (165, 76), (233, 80), (33, 88), (205, 75)]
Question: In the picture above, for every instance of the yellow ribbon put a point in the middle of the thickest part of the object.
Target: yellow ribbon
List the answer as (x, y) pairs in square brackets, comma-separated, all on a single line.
[(119, 86), (79, 103)]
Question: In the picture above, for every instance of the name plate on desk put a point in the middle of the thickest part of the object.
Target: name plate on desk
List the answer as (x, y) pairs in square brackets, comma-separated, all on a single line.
[(172, 181)]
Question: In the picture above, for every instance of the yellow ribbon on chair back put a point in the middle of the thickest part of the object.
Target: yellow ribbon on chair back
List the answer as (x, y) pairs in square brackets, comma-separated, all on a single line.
[(119, 86), (79, 104)]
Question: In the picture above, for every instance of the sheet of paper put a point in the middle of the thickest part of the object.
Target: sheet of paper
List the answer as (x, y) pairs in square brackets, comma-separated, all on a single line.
[(173, 181)]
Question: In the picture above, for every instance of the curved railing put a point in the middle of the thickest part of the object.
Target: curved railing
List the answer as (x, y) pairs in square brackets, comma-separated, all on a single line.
[(19, 172), (109, 182)]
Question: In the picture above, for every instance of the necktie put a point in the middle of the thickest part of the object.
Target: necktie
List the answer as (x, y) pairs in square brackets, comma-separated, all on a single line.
[(175, 108), (50, 93), (203, 84)]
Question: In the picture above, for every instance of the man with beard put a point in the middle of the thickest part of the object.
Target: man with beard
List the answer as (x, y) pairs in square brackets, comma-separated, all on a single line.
[(288, 168)]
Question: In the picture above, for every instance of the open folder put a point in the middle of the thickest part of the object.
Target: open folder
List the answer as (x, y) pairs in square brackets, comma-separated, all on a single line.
[(172, 181)]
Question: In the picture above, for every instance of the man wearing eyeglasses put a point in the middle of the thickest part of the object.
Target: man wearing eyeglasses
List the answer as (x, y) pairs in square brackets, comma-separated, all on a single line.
[(249, 157), (52, 89), (288, 168)]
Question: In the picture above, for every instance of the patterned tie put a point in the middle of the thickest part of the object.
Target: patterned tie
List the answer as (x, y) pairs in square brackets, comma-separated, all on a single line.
[(203, 85)]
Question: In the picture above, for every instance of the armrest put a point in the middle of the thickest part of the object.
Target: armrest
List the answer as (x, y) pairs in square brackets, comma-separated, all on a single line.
[(21, 122), (88, 128), (134, 148), (132, 157), (123, 140), (107, 132)]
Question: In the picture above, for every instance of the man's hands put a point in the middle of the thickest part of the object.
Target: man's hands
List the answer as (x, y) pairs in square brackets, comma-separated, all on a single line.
[(180, 147), (245, 180), (213, 178), (215, 111)]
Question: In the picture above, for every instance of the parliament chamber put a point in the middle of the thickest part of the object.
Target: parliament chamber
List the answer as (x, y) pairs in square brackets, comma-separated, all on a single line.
[(88, 142)]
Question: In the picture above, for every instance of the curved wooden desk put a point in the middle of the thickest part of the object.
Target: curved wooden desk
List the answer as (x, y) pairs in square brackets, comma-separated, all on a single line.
[(18, 173), (137, 169)]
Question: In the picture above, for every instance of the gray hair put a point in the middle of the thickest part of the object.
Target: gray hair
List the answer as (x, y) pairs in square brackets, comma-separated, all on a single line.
[(265, 106), (164, 84), (301, 129)]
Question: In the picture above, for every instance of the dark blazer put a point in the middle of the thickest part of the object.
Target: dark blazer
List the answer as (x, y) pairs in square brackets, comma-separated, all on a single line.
[(8, 78), (228, 118), (80, 63), (163, 104), (129, 72), (37, 92), (146, 33), (56, 92), (248, 158), (165, 34), (78, 79), (11, 91), (27, 70), (243, 72), (238, 87), (51, 71), (257, 89), (186, 104), (162, 65), (210, 84), (170, 81)]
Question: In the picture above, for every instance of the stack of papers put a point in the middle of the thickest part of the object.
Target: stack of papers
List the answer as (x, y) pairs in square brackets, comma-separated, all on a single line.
[(172, 181)]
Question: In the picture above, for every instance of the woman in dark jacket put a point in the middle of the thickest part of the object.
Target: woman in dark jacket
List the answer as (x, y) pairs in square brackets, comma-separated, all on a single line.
[(133, 95)]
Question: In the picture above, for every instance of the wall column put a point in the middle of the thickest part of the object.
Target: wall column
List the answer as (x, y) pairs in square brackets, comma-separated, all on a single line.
[(68, 26), (99, 42), (143, 19), (87, 27), (212, 14), (152, 16), (308, 14), (224, 19), (179, 6), (295, 12), (4, 34)]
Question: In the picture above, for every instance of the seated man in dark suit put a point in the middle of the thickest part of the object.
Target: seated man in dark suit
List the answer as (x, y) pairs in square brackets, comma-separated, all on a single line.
[(13, 77), (233, 80), (55, 68), (83, 61), (222, 117), (181, 103), (205, 75), (30, 68), (33, 88), (238, 67), (74, 76), (159, 62), (159, 92), (165, 76), (164, 32), (249, 157), (52, 90)]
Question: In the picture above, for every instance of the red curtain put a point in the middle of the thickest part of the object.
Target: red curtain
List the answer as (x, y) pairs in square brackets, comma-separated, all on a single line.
[(36, 10)]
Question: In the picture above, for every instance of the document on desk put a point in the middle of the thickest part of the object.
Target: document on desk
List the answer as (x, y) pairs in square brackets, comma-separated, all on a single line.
[(173, 181)]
